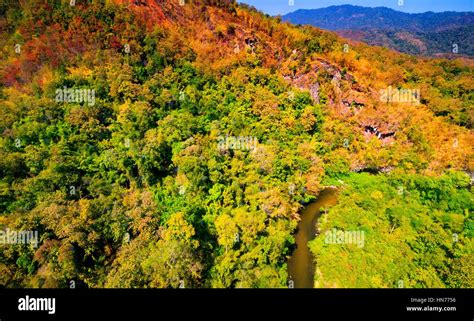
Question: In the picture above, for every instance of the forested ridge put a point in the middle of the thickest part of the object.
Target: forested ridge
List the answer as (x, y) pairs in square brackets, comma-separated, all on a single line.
[(428, 34), (172, 144)]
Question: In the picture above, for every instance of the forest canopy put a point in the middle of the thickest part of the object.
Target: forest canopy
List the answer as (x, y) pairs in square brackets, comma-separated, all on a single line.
[(159, 145)]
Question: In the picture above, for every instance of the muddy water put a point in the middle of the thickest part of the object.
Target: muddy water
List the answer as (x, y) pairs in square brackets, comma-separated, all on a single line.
[(300, 264)]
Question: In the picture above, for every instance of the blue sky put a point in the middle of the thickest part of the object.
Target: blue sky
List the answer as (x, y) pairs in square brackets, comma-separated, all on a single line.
[(274, 7)]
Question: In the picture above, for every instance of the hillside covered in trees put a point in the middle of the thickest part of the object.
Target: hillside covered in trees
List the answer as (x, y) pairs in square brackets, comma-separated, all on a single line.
[(157, 143), (429, 34)]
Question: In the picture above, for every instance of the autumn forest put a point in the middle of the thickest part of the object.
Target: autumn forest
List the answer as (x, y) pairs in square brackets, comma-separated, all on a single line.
[(168, 144)]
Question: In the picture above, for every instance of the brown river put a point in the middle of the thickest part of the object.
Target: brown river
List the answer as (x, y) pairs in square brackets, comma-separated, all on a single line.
[(301, 264)]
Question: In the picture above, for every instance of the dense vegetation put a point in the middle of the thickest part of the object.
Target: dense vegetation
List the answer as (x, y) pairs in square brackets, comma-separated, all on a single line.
[(417, 233), (136, 189)]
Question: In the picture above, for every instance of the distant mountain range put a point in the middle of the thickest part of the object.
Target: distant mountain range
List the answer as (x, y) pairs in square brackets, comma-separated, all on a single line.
[(429, 33)]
